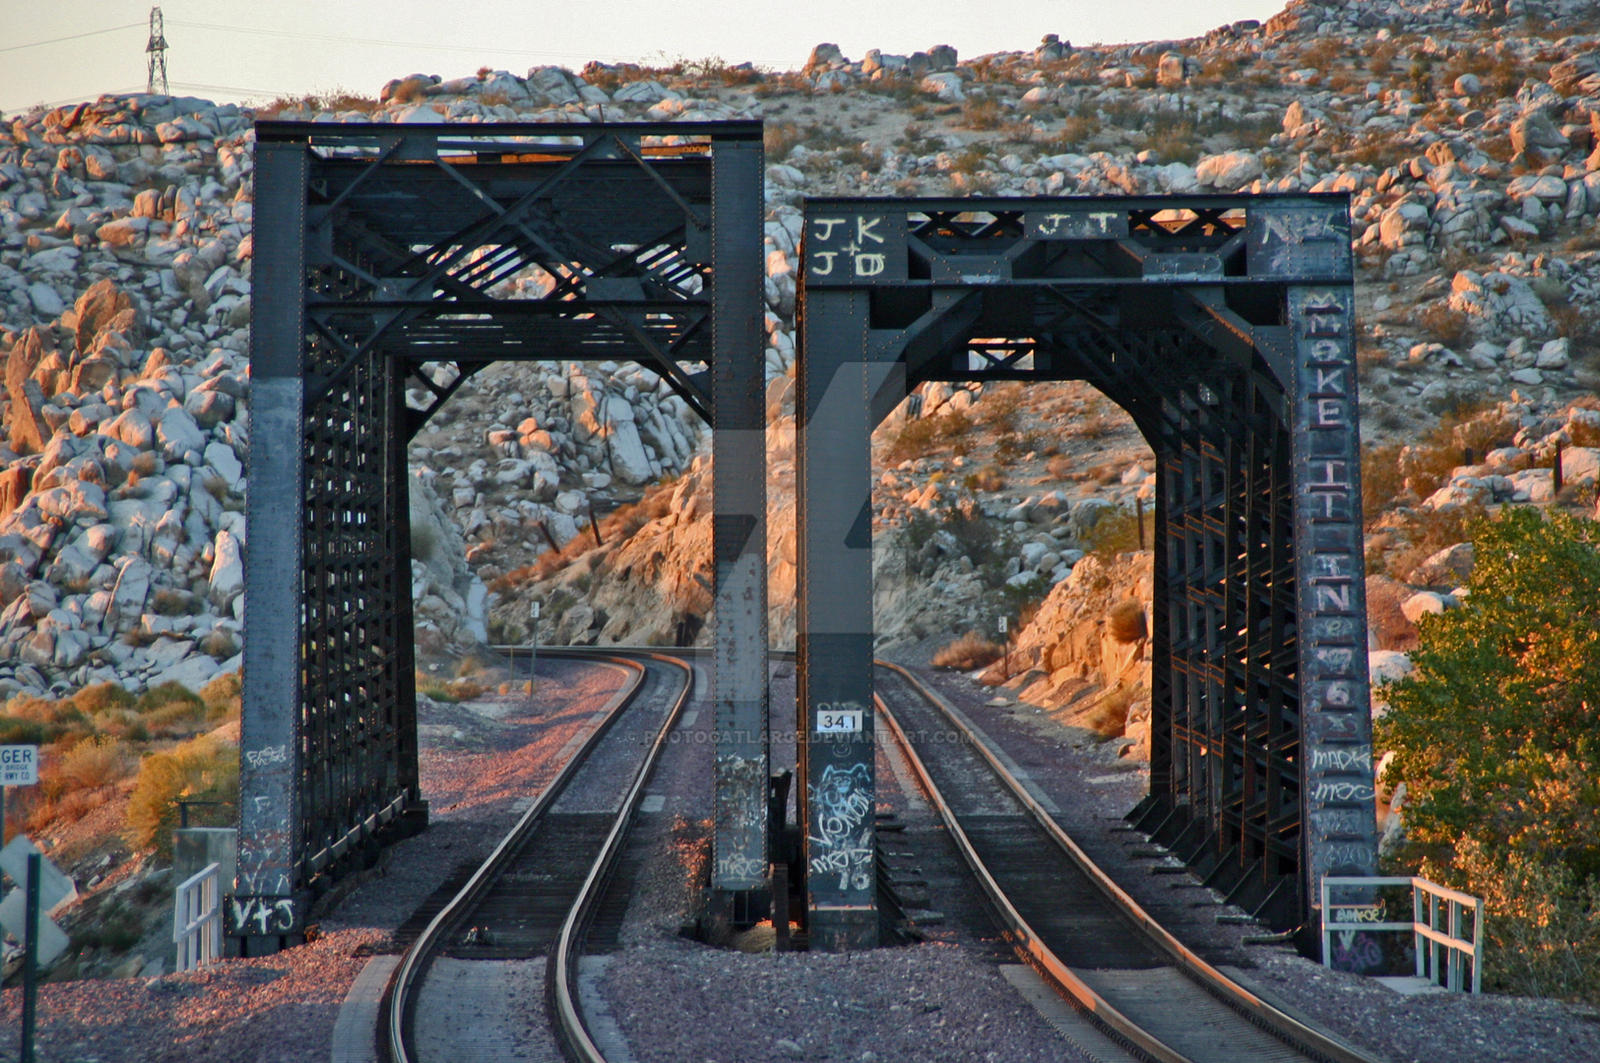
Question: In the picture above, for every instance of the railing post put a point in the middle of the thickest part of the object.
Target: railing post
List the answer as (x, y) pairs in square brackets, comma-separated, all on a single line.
[(1418, 942)]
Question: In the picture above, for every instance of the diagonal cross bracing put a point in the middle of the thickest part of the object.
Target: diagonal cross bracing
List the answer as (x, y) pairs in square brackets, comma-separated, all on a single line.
[(382, 275), (1222, 325)]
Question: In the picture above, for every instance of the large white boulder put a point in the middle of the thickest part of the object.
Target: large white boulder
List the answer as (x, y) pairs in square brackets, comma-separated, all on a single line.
[(1228, 171)]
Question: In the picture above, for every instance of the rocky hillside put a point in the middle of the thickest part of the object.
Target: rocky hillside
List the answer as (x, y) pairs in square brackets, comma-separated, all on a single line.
[(1465, 132)]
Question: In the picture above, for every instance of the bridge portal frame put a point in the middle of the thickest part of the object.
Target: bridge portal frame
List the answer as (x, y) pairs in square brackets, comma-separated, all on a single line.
[(381, 256), (1223, 326)]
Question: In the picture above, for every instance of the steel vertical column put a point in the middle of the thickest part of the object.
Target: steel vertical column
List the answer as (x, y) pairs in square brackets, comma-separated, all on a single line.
[(264, 913), (835, 621), (397, 591), (1163, 772), (739, 527), (1340, 830)]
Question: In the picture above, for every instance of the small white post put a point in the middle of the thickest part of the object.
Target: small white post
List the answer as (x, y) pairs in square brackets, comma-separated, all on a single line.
[(533, 646)]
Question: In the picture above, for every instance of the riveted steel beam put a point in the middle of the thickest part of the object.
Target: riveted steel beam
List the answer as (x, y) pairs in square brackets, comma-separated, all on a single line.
[(393, 264), (1221, 324)]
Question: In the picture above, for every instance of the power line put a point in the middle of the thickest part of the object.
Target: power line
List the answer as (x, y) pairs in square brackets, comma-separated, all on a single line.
[(72, 37), (424, 46), (79, 98), (236, 88), (432, 46)]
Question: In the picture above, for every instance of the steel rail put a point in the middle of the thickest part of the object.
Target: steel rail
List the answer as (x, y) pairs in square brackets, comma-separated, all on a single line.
[(416, 959), (563, 973), (1254, 1009)]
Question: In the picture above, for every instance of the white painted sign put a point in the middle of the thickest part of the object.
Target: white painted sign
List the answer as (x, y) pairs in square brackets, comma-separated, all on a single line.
[(839, 721), (55, 890), (1004, 623), (19, 765)]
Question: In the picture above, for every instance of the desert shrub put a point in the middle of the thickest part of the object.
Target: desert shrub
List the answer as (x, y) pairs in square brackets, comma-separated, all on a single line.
[(779, 138), (1117, 532), (1061, 466), (122, 723), (974, 536), (1108, 717), (1425, 532), (1544, 931), (219, 644), (916, 141), (1125, 621), (469, 666), (223, 696), (1381, 480), (1469, 427), (1000, 408), (969, 651), (101, 697), (1078, 128), (169, 601), (175, 719), (94, 762), (1446, 325), (30, 719), (1584, 434), (345, 100), (971, 161), (201, 768), (171, 709), (1496, 735), (987, 478), (160, 697), (435, 688), (981, 114), (921, 436), (116, 927), (449, 690), (1579, 324), (14, 731)]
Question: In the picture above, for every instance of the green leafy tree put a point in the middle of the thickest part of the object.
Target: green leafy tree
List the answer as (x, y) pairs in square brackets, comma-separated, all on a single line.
[(1496, 736)]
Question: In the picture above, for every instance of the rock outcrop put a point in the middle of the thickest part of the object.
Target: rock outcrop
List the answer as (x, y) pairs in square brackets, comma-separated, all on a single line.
[(1464, 131)]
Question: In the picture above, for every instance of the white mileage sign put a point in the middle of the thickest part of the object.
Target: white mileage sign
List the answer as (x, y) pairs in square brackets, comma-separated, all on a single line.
[(838, 721)]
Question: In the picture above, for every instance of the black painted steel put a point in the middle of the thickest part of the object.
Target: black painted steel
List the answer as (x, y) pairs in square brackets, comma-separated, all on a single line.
[(383, 281), (1222, 325)]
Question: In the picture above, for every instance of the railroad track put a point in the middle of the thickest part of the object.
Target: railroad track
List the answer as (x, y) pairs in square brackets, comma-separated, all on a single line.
[(508, 942), (1144, 993)]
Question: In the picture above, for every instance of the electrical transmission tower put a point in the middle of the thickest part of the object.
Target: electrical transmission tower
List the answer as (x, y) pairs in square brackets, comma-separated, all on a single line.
[(157, 50)]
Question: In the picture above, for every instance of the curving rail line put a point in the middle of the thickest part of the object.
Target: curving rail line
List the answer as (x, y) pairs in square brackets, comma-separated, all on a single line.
[(566, 1019), (1157, 998)]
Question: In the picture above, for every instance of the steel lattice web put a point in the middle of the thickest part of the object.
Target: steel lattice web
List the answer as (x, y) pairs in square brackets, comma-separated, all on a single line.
[(392, 264), (1221, 324)]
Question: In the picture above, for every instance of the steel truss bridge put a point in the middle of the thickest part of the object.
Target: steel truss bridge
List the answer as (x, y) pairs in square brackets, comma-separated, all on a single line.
[(381, 256), (1222, 324)]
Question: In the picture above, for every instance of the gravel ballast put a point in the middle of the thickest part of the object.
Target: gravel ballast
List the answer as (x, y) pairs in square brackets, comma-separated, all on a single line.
[(676, 999)]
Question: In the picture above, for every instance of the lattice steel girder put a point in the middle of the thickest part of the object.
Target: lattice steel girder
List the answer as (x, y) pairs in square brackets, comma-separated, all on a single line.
[(1208, 318), (739, 453), (394, 262)]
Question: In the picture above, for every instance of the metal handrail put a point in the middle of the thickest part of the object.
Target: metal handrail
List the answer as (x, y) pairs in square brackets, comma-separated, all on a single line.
[(197, 919), (1448, 949)]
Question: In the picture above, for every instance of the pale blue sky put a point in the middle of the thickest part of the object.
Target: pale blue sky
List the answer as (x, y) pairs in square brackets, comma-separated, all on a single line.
[(233, 50)]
